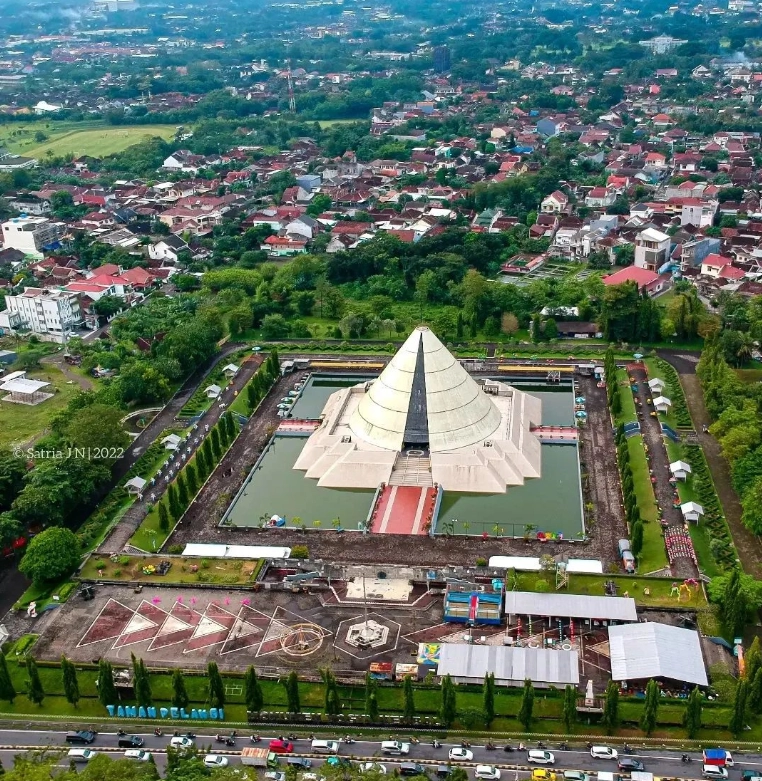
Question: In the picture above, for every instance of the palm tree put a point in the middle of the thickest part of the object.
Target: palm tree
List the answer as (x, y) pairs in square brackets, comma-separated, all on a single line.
[(745, 347)]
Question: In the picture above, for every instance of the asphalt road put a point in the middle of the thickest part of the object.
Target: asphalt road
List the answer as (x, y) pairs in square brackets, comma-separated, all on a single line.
[(660, 762)]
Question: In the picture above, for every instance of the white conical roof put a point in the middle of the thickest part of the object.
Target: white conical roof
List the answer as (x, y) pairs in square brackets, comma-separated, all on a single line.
[(425, 397)]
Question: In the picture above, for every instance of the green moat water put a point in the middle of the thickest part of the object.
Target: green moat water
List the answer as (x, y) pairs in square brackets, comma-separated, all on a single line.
[(551, 503)]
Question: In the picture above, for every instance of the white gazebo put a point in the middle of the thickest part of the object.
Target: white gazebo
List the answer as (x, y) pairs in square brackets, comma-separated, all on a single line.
[(662, 404), (135, 486), (171, 442), (213, 391), (680, 470), (231, 370), (22, 390), (657, 385), (692, 511)]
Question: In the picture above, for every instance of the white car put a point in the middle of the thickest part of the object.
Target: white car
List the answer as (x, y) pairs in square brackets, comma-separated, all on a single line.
[(461, 755), (714, 772), (181, 742), (539, 757), (137, 753), (215, 760), (487, 772), (372, 767), (603, 752)]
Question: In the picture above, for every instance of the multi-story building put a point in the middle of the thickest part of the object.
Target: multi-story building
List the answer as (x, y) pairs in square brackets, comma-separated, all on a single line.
[(51, 314), (441, 59), (31, 235), (652, 249)]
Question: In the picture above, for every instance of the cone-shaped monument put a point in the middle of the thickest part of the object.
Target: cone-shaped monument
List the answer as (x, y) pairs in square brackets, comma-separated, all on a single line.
[(425, 420)]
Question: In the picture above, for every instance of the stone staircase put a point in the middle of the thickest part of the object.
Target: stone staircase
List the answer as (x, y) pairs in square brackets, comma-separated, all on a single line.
[(412, 470)]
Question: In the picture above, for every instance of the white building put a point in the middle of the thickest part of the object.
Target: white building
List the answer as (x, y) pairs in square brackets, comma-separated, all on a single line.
[(651, 249), (662, 44), (425, 421), (47, 313), (31, 235)]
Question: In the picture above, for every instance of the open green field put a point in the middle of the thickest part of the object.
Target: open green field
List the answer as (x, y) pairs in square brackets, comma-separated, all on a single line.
[(324, 123), (77, 138), (101, 142), (19, 423)]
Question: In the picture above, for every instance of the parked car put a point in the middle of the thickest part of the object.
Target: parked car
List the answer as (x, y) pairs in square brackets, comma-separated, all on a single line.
[(82, 737), (181, 742), (215, 760), (373, 767), (539, 757), (542, 774), (603, 752), (300, 763), (487, 772), (137, 753), (411, 769), (714, 771), (575, 775)]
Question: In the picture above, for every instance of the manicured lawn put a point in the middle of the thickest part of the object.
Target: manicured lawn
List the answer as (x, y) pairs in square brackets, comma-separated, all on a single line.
[(324, 123), (20, 424), (99, 142), (184, 570), (749, 375), (653, 556), (628, 413), (148, 536)]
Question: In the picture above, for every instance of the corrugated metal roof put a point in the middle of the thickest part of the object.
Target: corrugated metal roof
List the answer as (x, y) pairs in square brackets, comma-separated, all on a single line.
[(509, 664), (531, 603), (652, 650)]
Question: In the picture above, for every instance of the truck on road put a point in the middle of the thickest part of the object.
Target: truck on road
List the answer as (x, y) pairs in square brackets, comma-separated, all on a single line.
[(718, 756), (258, 757)]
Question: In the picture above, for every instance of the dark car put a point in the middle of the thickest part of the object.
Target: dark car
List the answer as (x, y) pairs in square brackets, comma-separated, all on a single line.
[(443, 771), (82, 737), (300, 763), (748, 775), (130, 741), (630, 764), (411, 769)]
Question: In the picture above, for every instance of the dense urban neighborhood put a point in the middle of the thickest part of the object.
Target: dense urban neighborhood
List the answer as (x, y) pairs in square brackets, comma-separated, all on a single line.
[(380, 390)]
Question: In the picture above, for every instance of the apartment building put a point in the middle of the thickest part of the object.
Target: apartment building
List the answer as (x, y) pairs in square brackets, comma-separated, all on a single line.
[(48, 313), (31, 235)]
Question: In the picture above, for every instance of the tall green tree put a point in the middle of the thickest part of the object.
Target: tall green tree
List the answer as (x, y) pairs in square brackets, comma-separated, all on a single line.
[(372, 708), (570, 707), (141, 683), (610, 718), (106, 688), (252, 691), (175, 508), (7, 689), (192, 478), (692, 715), (70, 683), (34, 690), (752, 660), (527, 705), (182, 490), (488, 698), (202, 465), (216, 444), (332, 701), (755, 693), (650, 707), (164, 521), (737, 721), (448, 710), (292, 693), (216, 691), (211, 461), (408, 695), (180, 697)]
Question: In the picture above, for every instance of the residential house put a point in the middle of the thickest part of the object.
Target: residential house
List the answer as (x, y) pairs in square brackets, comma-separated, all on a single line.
[(652, 249), (554, 203)]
